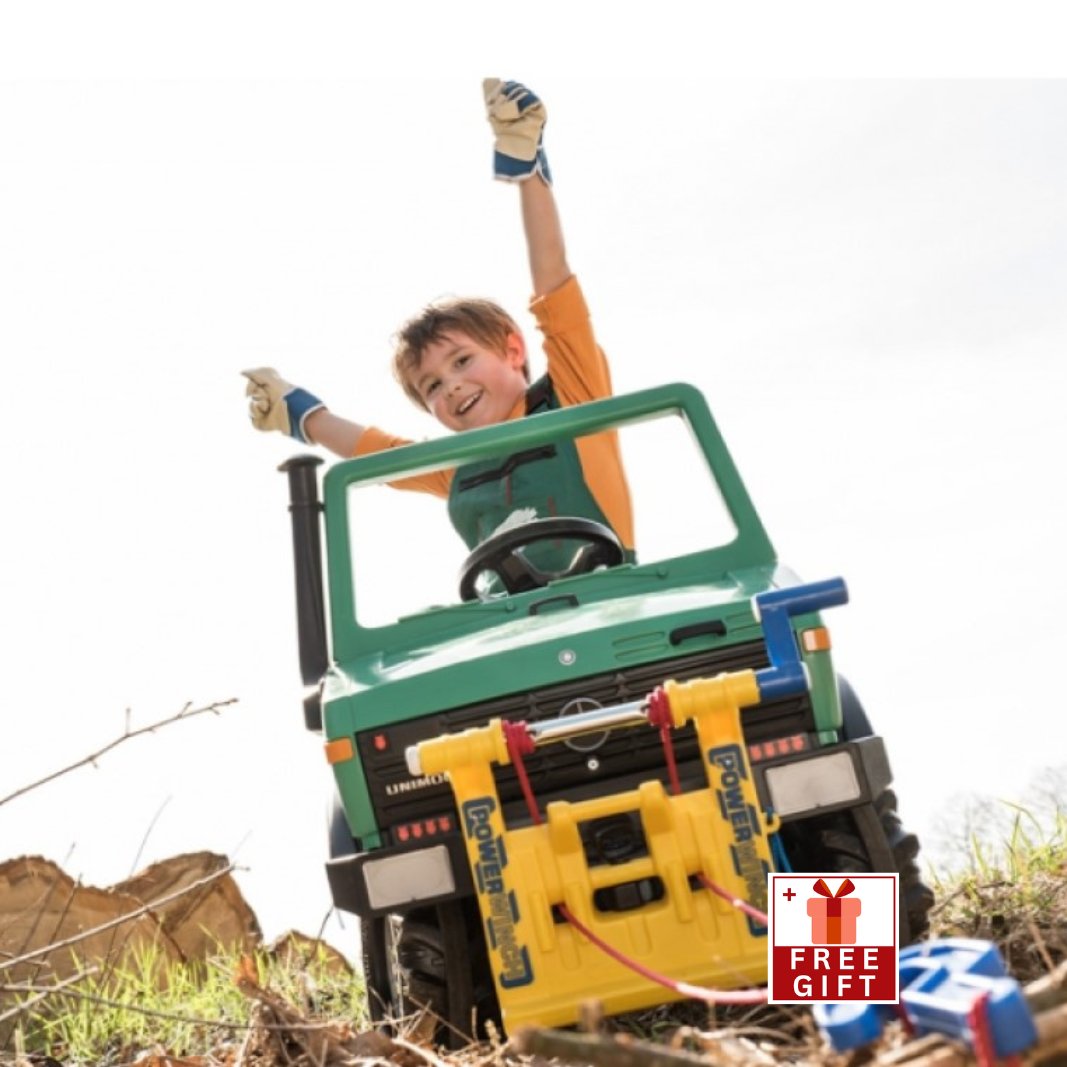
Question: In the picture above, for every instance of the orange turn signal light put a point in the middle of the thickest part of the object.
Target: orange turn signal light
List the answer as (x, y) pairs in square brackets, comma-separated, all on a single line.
[(339, 750), (816, 640)]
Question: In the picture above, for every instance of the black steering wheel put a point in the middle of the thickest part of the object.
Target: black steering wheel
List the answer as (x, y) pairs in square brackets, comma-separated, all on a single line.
[(500, 554)]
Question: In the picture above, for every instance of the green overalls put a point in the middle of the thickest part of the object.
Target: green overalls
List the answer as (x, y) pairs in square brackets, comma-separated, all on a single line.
[(538, 483)]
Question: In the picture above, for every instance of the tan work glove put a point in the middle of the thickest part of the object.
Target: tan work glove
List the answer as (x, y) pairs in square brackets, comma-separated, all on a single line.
[(518, 118), (274, 404)]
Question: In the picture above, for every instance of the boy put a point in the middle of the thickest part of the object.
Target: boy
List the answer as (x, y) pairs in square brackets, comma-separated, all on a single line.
[(465, 362)]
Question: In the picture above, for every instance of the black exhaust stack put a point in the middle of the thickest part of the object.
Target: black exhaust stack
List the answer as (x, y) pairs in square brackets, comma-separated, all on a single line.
[(306, 509)]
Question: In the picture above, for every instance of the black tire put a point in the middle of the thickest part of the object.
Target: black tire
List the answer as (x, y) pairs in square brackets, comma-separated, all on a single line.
[(916, 898), (863, 840), (432, 959)]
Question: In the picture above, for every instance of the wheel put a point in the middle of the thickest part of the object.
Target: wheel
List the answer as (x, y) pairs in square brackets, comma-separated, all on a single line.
[(501, 555), (863, 840), (403, 966), (431, 960), (915, 896)]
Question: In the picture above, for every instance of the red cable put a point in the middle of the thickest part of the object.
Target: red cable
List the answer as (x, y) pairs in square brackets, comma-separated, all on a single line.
[(737, 902), (711, 996), (668, 751), (519, 742)]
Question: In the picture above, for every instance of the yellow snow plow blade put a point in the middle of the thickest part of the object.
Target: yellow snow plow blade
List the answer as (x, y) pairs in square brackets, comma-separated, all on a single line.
[(652, 907)]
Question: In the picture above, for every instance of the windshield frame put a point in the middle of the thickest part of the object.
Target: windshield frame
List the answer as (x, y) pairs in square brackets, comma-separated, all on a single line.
[(350, 638)]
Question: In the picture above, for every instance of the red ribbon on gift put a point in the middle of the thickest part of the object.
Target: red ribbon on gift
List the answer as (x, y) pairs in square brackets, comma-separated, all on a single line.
[(833, 906)]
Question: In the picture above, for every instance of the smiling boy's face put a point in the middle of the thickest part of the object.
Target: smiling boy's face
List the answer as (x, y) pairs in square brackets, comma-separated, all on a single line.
[(465, 385)]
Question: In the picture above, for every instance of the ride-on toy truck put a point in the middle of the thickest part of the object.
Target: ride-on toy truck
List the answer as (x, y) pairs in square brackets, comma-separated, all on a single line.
[(568, 761)]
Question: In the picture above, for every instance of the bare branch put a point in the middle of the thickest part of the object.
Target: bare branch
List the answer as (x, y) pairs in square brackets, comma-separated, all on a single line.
[(186, 713), (62, 989), (602, 1051), (424, 1054), (42, 992)]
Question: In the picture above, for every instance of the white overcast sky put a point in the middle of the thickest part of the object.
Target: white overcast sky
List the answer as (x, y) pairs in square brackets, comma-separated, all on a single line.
[(852, 236)]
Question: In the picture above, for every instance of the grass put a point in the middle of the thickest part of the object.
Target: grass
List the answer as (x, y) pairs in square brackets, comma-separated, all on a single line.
[(1014, 894), (179, 1010)]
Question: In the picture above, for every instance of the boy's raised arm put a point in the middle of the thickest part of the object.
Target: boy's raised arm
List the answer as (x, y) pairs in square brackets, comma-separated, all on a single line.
[(544, 238), (517, 117)]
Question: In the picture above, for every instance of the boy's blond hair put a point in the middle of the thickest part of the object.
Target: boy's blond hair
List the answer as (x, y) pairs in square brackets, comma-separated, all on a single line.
[(481, 320)]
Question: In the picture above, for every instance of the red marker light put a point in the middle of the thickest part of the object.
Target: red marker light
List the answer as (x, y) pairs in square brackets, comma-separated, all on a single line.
[(779, 746)]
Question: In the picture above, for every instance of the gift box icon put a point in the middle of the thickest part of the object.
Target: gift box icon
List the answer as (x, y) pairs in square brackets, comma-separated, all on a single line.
[(833, 919)]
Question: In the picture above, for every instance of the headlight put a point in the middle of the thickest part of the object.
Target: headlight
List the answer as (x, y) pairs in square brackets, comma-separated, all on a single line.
[(408, 877), (814, 783)]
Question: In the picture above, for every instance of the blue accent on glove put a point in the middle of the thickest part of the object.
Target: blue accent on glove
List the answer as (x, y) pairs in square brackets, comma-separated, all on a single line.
[(509, 169), (519, 94), (299, 403), (542, 163)]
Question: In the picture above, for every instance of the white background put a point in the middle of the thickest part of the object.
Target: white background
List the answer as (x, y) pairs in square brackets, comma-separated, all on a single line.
[(851, 235)]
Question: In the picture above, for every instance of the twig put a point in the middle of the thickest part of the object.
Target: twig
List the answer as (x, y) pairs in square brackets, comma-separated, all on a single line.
[(242, 1052), (42, 993), (186, 713), (602, 1051), (94, 998), (144, 838), (62, 989), (1049, 990), (418, 1050), (144, 909), (1039, 943), (288, 1018)]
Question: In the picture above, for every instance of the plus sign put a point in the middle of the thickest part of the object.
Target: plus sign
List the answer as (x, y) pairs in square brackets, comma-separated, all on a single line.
[(789, 894)]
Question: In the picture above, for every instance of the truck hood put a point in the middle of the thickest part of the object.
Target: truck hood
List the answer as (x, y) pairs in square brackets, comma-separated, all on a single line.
[(532, 650)]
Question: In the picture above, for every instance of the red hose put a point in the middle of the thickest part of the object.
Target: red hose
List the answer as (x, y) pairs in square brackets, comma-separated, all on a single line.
[(711, 996)]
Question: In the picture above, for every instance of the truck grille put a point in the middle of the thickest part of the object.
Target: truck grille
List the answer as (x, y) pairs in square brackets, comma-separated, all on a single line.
[(625, 758)]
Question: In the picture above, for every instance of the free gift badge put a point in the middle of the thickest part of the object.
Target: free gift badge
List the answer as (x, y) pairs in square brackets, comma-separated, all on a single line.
[(832, 937)]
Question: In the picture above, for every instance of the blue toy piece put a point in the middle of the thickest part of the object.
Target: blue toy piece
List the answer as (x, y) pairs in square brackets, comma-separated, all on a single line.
[(941, 985), (851, 1024)]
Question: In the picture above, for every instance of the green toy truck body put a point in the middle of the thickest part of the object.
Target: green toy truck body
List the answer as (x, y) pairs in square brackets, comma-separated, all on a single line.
[(383, 681)]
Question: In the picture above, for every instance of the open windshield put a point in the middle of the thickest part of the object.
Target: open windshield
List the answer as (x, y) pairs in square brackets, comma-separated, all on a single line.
[(406, 557)]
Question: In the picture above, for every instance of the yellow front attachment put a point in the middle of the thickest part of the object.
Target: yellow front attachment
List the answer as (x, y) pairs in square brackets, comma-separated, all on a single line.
[(672, 924)]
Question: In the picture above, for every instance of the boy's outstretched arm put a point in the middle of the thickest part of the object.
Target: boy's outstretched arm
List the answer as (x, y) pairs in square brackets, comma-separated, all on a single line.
[(544, 237), (518, 118), (275, 404)]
